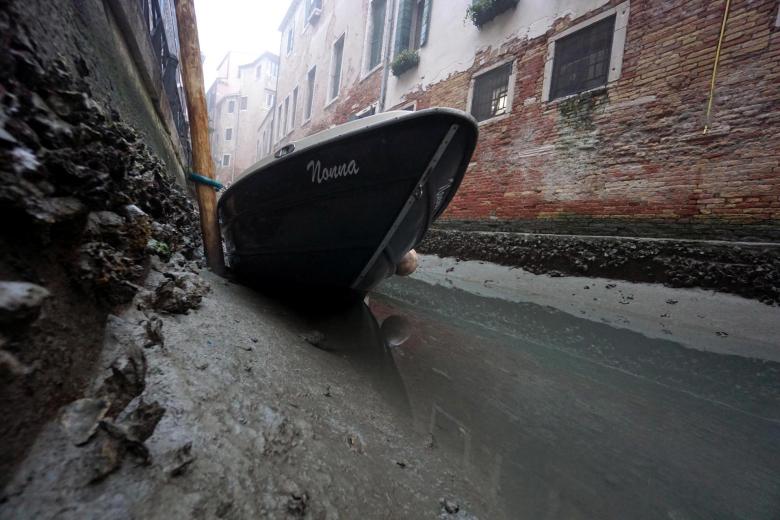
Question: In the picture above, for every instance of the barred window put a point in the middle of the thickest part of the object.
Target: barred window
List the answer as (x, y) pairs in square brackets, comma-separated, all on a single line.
[(228, 134), (491, 93), (244, 102), (226, 160), (581, 59)]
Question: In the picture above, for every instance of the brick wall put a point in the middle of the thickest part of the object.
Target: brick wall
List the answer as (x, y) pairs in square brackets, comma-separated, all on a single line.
[(635, 150)]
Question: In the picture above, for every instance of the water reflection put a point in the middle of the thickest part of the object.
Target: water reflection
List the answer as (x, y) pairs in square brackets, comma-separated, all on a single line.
[(552, 416)]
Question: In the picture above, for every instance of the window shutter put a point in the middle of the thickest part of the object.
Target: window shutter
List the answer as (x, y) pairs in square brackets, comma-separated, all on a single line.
[(426, 22), (404, 25)]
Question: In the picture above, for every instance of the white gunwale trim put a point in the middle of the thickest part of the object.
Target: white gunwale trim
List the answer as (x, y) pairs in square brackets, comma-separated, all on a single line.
[(621, 13), (510, 89)]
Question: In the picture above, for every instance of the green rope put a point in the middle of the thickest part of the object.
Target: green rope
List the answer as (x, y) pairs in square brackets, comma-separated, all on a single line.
[(202, 179)]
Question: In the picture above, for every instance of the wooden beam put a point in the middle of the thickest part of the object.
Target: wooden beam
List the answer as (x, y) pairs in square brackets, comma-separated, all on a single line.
[(192, 76)]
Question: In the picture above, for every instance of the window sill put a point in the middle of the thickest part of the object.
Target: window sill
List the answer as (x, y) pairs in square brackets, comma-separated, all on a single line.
[(595, 90), (494, 119), (329, 103), (370, 73)]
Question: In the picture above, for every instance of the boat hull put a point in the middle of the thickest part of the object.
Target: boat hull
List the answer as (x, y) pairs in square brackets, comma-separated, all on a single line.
[(340, 212)]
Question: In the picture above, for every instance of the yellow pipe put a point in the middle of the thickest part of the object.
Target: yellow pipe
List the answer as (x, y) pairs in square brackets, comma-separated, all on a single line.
[(715, 68)]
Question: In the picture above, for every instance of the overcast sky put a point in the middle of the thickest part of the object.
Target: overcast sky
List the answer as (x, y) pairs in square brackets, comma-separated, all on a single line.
[(246, 26)]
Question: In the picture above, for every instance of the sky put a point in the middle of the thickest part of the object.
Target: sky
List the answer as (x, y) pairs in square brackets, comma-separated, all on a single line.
[(246, 26)]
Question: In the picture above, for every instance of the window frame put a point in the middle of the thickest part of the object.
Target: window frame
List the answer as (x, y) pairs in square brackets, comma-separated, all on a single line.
[(294, 107), (615, 68), (229, 133), (243, 103), (510, 89), (370, 28), (332, 76), (228, 156), (290, 40), (231, 108), (311, 83)]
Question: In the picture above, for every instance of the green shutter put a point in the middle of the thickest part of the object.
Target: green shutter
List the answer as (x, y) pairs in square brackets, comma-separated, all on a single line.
[(426, 22), (404, 25)]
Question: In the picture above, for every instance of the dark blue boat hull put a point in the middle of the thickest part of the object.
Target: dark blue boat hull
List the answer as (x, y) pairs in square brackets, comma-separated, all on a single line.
[(341, 213)]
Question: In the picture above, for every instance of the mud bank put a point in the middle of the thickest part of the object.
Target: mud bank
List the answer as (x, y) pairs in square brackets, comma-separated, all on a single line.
[(750, 270), (238, 408), (83, 206)]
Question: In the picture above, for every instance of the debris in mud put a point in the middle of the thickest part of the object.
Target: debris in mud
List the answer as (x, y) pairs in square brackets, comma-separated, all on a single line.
[(297, 499), (179, 460), (126, 380), (449, 506), (179, 292), (154, 334), (20, 304), (314, 337), (80, 419), (671, 302)]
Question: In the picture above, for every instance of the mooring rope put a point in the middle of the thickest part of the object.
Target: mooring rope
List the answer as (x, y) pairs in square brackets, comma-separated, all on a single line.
[(202, 179)]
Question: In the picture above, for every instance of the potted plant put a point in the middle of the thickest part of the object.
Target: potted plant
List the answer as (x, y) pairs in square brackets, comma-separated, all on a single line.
[(482, 11), (403, 61)]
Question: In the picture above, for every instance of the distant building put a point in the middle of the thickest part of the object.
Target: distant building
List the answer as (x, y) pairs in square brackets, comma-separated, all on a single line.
[(237, 102), (591, 112)]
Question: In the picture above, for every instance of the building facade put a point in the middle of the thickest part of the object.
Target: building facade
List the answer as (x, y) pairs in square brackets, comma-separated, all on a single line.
[(238, 101), (596, 116)]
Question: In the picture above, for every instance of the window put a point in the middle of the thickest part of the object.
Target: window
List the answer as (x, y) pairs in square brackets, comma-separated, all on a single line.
[(490, 94), (269, 99), (310, 9), (226, 160), (414, 18), (244, 102), (279, 129), (274, 69), (228, 134), (335, 67), (294, 108), (581, 59), (309, 93), (290, 37), (258, 72), (378, 8), (285, 126), (231, 106), (586, 56)]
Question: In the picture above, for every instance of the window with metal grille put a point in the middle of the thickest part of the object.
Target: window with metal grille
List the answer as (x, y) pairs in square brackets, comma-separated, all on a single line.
[(581, 59), (244, 102), (228, 134), (226, 160), (377, 31), (491, 93)]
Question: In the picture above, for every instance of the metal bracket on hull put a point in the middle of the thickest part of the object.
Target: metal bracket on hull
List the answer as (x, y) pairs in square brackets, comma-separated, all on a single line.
[(413, 197)]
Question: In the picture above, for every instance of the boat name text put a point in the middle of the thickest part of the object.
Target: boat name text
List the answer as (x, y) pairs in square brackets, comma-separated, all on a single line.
[(320, 174)]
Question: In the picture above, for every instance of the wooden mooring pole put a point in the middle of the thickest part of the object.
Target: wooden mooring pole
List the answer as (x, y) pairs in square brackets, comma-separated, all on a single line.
[(192, 76)]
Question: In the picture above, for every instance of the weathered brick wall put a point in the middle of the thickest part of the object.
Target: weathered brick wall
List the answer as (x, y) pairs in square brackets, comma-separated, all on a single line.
[(358, 97), (635, 151)]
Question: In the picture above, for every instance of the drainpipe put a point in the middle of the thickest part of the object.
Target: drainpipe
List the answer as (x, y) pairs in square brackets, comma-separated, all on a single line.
[(388, 36), (708, 115), (236, 144)]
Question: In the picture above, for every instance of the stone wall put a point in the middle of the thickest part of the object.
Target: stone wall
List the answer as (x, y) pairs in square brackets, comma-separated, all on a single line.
[(633, 154)]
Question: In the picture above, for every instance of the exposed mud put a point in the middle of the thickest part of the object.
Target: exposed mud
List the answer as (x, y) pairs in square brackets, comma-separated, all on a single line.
[(751, 270), (84, 205)]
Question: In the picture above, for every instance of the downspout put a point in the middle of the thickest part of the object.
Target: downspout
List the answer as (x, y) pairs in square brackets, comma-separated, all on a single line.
[(237, 144), (708, 115), (386, 58)]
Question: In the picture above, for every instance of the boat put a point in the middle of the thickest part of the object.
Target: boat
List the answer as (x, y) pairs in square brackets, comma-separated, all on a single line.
[(339, 209)]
